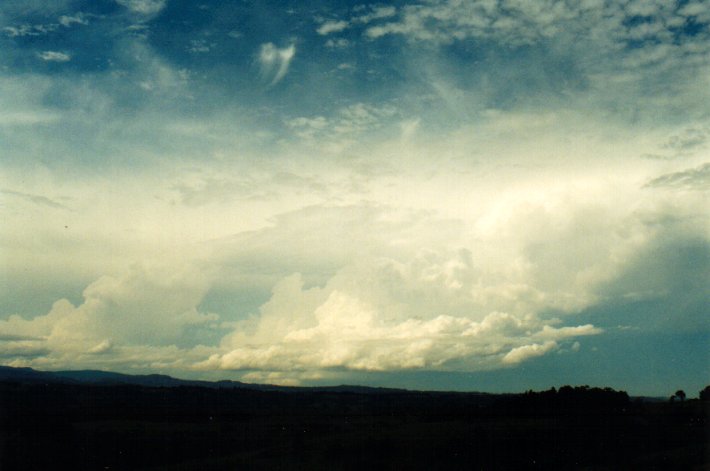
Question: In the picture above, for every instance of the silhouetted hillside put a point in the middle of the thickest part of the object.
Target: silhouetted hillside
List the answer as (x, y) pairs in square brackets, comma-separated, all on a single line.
[(28, 375), (68, 424), (108, 378)]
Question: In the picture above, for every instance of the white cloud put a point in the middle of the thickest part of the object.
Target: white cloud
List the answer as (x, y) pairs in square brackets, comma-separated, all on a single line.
[(54, 56), (144, 306), (448, 20), (329, 27), (383, 287), (342, 130), (697, 9), (348, 325), (337, 26), (144, 7), (427, 250), (275, 62), (199, 46), (29, 30), (606, 57), (68, 20), (338, 43), (525, 352), (153, 73), (377, 13), (102, 347), (643, 40)]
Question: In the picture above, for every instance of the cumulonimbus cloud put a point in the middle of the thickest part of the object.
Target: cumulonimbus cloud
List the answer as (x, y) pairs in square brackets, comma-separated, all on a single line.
[(315, 329)]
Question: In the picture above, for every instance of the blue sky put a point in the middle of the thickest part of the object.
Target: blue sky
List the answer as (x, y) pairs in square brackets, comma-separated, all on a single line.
[(485, 195)]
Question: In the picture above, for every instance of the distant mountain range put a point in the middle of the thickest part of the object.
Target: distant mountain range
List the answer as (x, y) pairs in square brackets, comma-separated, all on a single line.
[(109, 378)]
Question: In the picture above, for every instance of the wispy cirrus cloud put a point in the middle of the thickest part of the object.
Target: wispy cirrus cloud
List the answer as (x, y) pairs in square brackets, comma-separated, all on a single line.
[(35, 199), (274, 61), (43, 29), (29, 30)]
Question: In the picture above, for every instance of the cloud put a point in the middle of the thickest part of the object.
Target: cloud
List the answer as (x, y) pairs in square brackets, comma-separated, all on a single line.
[(43, 29), (144, 7), (212, 189), (343, 327), (22, 105), (274, 62), (432, 298), (23, 350), (448, 208), (377, 13), (35, 199), (695, 9), (381, 287), (342, 130), (681, 145), (339, 43), (15, 338), (690, 140), (144, 306), (450, 20), (54, 56), (102, 347), (399, 307), (691, 179), (68, 20), (200, 46), (525, 352), (643, 53), (329, 27), (29, 30)]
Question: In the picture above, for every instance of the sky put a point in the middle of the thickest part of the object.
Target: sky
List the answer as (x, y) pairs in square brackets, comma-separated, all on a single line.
[(486, 195)]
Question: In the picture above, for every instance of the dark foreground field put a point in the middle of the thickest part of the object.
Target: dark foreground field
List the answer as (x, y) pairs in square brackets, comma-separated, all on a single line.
[(82, 426)]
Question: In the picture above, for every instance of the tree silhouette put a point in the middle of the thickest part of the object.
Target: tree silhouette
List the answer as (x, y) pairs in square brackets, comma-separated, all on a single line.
[(680, 394), (705, 394)]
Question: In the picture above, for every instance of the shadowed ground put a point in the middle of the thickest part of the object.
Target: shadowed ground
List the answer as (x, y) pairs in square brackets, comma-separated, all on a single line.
[(80, 426)]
